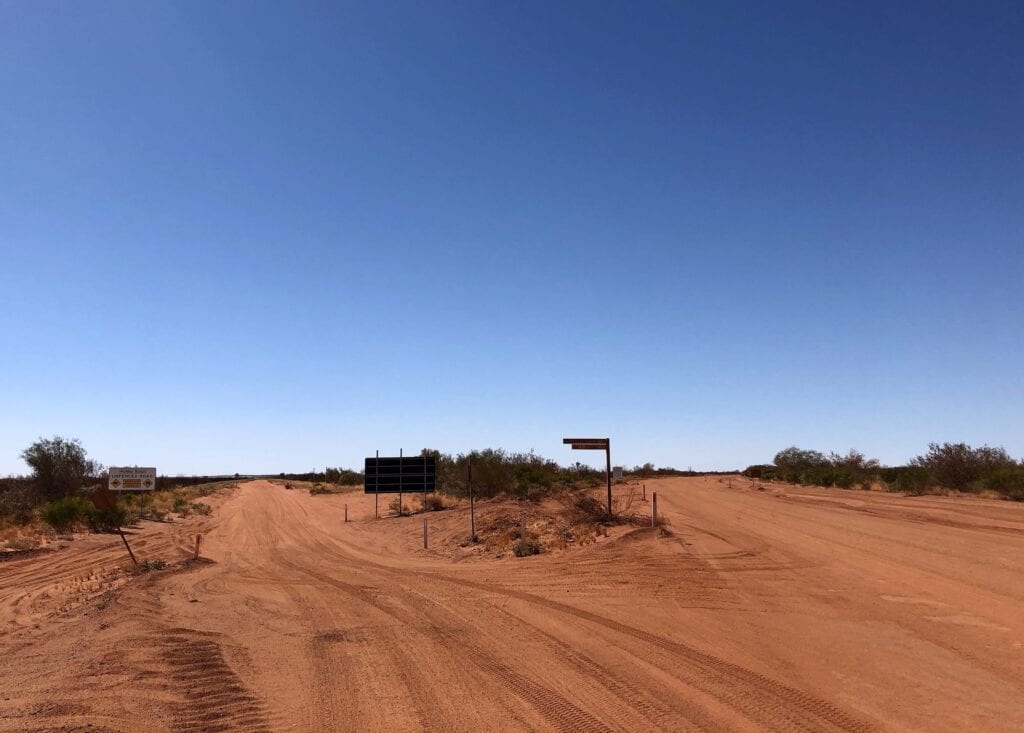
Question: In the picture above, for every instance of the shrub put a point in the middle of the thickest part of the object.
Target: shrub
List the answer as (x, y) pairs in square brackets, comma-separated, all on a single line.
[(397, 506), (180, 504), (59, 466), (433, 503), (958, 466), (18, 499), (318, 488), (108, 520), (65, 513), (201, 508), (1008, 481), (527, 547)]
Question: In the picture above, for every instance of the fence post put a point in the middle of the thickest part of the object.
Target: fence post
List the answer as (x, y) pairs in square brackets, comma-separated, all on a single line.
[(424, 534), (346, 512), (654, 509)]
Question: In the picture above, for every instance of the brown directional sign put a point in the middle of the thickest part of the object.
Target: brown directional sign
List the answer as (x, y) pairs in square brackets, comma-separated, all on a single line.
[(604, 444), (587, 443)]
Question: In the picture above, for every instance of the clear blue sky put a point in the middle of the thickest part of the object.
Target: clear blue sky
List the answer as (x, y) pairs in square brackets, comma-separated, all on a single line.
[(272, 236)]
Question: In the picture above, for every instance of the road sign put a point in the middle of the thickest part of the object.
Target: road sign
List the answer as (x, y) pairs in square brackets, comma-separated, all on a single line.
[(617, 473), (604, 444), (131, 478), (587, 443), (393, 475)]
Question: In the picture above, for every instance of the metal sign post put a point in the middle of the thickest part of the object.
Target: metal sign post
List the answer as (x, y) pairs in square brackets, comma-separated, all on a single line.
[(604, 444), (376, 483), (400, 472), (104, 499)]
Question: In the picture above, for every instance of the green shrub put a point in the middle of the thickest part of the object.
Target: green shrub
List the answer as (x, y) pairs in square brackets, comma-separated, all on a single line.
[(65, 513), (959, 466), (108, 520), (1008, 481), (201, 508)]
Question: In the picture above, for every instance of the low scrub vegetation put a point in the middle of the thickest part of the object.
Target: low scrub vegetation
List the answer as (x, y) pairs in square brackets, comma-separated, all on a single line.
[(944, 467), (522, 475)]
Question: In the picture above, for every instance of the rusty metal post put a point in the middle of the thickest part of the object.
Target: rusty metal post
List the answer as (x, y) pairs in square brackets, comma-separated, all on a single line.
[(376, 488), (424, 534), (608, 470), (654, 509), (346, 512), (125, 540)]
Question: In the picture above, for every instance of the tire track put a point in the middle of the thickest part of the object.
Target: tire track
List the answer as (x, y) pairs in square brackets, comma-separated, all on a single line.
[(562, 714)]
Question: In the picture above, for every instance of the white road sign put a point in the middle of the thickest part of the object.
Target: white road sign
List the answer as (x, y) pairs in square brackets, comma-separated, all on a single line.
[(131, 478)]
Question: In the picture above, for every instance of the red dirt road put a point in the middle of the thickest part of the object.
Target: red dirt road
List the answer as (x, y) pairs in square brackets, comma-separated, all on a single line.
[(785, 609)]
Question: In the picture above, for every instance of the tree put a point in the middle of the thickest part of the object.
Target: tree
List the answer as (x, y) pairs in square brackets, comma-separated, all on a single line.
[(59, 466), (799, 466), (958, 465)]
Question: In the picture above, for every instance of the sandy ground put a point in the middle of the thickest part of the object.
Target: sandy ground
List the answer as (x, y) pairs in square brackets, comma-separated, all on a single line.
[(778, 609)]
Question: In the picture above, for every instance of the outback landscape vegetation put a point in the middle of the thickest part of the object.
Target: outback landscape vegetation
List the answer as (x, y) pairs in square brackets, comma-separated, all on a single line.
[(300, 304)]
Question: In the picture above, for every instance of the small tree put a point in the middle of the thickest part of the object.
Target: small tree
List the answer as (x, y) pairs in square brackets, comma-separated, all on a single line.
[(59, 466), (958, 465)]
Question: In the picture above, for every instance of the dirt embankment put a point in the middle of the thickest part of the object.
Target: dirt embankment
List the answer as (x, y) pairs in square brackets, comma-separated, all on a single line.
[(784, 609)]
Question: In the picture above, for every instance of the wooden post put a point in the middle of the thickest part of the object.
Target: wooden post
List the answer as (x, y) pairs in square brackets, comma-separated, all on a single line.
[(645, 492), (522, 529), (199, 538), (654, 509), (424, 534), (346, 512)]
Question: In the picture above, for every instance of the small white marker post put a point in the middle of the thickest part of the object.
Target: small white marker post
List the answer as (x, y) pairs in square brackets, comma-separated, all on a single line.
[(654, 509), (424, 534)]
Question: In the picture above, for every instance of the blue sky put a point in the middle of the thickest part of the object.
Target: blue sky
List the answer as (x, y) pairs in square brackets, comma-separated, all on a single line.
[(258, 237)]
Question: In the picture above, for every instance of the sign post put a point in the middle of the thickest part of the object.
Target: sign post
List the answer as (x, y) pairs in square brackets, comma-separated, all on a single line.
[(104, 499), (604, 444)]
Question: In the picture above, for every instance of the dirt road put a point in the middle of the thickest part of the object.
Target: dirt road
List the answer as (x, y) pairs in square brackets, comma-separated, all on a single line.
[(782, 609)]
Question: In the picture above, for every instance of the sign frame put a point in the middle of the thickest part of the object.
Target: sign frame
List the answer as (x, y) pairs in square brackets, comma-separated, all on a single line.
[(131, 478)]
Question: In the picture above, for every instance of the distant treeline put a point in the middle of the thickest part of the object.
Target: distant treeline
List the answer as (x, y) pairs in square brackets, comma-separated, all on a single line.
[(496, 471), (955, 466)]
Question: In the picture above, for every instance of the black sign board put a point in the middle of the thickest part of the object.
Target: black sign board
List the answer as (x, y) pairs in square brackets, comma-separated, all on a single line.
[(391, 475)]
